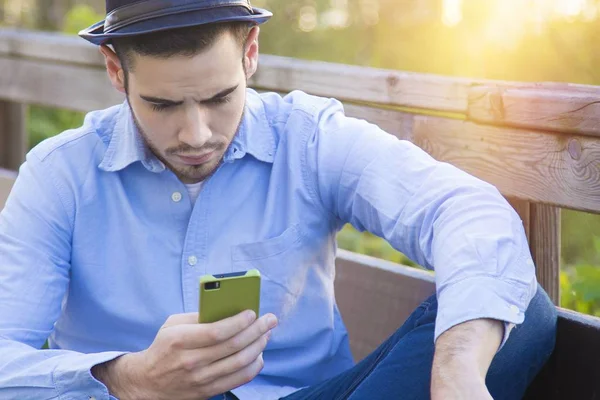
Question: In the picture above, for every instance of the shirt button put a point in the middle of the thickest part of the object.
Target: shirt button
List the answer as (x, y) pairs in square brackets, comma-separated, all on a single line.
[(176, 197), (192, 260), (92, 398), (514, 309)]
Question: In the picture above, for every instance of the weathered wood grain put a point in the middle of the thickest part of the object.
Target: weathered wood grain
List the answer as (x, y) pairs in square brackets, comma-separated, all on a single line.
[(73, 87), (278, 74), (561, 170), (545, 247), (551, 107)]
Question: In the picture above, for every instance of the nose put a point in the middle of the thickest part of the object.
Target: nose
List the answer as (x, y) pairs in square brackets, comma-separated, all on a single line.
[(195, 130)]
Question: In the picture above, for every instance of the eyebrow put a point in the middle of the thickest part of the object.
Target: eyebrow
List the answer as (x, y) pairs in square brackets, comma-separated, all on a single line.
[(158, 100)]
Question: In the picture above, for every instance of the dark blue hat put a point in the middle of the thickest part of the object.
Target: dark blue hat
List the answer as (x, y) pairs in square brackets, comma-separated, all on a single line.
[(135, 17)]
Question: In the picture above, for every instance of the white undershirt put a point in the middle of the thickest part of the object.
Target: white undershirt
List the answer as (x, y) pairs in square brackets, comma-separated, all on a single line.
[(194, 190)]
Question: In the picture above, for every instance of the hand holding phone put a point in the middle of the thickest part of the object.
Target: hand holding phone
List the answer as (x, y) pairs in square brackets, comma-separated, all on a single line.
[(188, 360)]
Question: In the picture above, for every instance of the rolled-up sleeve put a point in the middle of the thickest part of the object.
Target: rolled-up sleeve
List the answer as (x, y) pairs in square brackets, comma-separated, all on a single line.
[(439, 216), (35, 250)]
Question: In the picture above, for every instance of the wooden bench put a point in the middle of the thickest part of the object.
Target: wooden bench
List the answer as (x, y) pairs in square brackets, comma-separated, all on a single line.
[(538, 143)]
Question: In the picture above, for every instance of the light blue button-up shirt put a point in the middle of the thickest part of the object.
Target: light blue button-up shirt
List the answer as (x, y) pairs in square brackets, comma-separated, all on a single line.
[(99, 243)]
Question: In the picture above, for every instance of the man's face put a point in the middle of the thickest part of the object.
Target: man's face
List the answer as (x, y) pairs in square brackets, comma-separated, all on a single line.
[(188, 110)]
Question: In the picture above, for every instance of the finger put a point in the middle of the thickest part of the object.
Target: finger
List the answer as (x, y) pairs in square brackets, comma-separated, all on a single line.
[(195, 336), (180, 319), (240, 377), (241, 340), (234, 363)]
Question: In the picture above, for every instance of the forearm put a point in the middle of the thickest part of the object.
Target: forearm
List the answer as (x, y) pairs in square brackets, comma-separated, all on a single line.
[(463, 355), (119, 378)]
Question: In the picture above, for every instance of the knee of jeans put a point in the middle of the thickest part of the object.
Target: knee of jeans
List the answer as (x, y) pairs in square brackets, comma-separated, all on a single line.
[(541, 316)]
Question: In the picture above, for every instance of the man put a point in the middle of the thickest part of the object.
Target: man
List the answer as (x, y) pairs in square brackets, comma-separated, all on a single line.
[(109, 227)]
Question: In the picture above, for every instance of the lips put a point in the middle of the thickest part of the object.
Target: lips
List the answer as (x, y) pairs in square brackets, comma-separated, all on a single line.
[(196, 160)]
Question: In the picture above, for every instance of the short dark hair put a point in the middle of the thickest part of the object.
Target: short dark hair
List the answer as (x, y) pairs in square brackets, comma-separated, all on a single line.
[(189, 41)]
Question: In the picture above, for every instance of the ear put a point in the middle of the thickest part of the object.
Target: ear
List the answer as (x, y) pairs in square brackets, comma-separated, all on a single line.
[(251, 53), (114, 68)]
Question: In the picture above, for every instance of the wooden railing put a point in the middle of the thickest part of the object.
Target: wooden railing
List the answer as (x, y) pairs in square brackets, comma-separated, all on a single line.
[(538, 143)]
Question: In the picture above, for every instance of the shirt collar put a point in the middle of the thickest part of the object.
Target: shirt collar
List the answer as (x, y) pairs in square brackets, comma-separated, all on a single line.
[(255, 136), (126, 146)]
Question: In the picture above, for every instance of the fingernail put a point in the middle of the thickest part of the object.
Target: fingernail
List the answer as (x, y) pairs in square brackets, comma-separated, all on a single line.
[(250, 315), (271, 321)]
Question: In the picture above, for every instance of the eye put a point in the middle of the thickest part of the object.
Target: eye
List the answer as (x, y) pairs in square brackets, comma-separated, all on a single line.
[(220, 100), (160, 106)]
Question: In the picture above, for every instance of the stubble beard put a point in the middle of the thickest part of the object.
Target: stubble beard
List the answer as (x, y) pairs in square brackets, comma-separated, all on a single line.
[(190, 173)]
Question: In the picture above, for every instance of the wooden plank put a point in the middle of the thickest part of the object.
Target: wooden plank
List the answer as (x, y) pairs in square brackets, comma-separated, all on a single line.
[(551, 107), (533, 166), (545, 247), (278, 74), (49, 84), (49, 47), (558, 107), (572, 371), (561, 170), (13, 137), (375, 297), (7, 179), (360, 84)]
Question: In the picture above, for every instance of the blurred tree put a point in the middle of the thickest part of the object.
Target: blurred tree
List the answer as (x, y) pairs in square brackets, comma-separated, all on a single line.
[(50, 14)]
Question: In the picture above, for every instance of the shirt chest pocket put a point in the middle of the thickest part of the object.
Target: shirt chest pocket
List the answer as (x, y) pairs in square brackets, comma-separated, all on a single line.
[(282, 267)]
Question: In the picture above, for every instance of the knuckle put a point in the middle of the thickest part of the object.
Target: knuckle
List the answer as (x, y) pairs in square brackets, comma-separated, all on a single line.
[(203, 380), (236, 343), (239, 362), (188, 364), (174, 342), (213, 334)]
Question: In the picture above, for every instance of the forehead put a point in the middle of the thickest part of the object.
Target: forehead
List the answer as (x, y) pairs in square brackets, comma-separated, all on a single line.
[(218, 66)]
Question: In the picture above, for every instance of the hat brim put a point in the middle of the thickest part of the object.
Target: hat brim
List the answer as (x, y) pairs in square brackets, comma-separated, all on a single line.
[(95, 33)]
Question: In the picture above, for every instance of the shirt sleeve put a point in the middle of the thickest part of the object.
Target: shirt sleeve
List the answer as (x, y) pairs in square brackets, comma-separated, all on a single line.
[(35, 248), (439, 216)]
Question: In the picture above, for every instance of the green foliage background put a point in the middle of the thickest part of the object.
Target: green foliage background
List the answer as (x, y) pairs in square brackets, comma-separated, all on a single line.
[(408, 36)]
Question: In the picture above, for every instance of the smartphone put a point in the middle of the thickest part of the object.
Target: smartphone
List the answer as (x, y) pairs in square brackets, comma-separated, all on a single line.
[(225, 295)]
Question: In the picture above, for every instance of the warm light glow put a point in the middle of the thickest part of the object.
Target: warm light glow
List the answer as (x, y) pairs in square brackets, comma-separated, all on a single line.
[(570, 8), (452, 12), (506, 21), (308, 19)]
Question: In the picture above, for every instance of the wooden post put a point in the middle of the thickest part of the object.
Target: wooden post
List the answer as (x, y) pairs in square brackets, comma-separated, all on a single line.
[(522, 208), (13, 137), (545, 247)]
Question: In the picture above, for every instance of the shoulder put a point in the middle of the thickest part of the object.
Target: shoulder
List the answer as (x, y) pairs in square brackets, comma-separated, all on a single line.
[(279, 109), (96, 129), (69, 157)]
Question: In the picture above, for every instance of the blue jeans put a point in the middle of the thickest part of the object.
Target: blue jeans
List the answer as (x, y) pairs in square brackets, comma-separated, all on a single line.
[(401, 367)]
